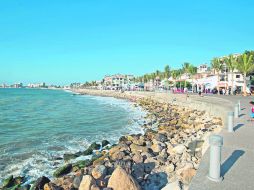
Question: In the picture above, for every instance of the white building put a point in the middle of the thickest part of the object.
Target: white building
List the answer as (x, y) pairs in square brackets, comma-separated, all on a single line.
[(118, 81), (203, 68)]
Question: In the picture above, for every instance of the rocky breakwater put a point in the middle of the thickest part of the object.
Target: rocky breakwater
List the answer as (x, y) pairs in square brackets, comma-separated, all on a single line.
[(166, 156)]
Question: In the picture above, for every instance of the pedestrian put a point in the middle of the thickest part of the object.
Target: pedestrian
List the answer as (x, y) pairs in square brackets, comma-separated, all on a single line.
[(252, 111)]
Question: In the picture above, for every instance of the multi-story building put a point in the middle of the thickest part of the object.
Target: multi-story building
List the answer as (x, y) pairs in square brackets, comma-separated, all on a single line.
[(118, 81), (37, 85), (203, 69)]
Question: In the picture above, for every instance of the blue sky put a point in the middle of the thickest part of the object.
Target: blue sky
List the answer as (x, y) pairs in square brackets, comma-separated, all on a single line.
[(65, 41)]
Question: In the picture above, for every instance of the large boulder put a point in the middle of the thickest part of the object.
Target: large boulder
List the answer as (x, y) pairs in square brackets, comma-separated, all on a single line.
[(76, 181), (187, 175), (99, 171), (52, 186), (155, 181), (135, 148), (137, 158), (8, 182), (88, 183), (120, 180), (40, 182), (104, 143), (172, 186), (63, 170), (91, 148), (179, 149)]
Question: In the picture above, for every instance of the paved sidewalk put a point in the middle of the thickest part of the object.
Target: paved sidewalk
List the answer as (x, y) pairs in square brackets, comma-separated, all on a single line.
[(237, 154)]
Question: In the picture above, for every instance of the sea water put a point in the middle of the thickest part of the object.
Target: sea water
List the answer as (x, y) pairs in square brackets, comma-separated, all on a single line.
[(38, 126)]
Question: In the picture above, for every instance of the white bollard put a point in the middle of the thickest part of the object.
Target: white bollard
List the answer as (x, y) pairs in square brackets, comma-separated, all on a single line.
[(216, 143), (236, 111), (230, 121), (239, 106)]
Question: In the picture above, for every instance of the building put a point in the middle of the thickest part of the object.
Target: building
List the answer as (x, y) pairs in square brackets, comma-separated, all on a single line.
[(203, 69), (117, 82), (17, 85), (37, 85)]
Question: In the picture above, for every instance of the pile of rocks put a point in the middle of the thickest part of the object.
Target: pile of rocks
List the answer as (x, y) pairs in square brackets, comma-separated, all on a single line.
[(166, 156)]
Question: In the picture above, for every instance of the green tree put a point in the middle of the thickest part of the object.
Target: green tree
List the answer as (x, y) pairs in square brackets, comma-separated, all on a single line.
[(166, 72), (192, 70), (231, 64), (185, 68), (216, 65), (245, 65)]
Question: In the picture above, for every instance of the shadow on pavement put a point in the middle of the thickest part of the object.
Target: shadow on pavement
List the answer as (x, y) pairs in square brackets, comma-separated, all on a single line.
[(238, 126), (231, 161), (241, 115)]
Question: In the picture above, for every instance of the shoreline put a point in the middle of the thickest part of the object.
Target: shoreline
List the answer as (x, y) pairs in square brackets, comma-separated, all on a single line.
[(164, 156)]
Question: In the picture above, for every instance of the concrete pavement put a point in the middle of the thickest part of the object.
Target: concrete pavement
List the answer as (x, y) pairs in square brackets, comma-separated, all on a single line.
[(237, 153)]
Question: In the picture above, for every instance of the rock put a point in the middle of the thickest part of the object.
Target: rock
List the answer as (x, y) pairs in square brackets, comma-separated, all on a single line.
[(194, 145), (124, 164), (172, 186), (40, 182), (82, 163), (169, 168), (87, 152), (160, 137), (95, 187), (120, 180), (52, 186), (68, 157), (139, 148), (155, 181), (76, 181), (87, 183), (187, 175), (104, 143), (137, 158), (179, 149), (91, 148), (95, 146), (118, 155), (138, 171), (99, 171), (63, 170), (8, 182), (25, 187), (64, 182), (156, 148)]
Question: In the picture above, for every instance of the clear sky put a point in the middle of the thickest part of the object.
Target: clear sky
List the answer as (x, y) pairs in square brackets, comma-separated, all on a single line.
[(63, 41)]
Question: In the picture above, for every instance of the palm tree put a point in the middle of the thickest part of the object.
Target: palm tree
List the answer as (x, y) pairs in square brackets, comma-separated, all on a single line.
[(175, 75), (166, 72), (192, 70), (245, 65), (231, 64), (185, 68), (216, 65)]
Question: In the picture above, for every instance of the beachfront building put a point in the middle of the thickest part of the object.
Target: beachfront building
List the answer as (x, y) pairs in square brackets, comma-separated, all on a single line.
[(17, 85), (37, 85), (117, 82), (149, 86), (203, 68)]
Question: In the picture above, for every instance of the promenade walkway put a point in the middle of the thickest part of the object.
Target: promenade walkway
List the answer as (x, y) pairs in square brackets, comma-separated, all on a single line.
[(237, 153)]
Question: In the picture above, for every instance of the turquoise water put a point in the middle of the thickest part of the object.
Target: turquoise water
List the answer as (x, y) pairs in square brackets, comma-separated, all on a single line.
[(39, 126)]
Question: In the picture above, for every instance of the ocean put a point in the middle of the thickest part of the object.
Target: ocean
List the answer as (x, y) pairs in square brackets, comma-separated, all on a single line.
[(38, 126)]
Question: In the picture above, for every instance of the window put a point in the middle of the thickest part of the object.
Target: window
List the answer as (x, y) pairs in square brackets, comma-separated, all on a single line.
[(237, 76)]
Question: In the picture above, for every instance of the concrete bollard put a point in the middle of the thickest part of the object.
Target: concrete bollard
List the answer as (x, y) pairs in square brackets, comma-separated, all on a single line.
[(236, 111), (230, 121), (216, 143), (239, 106)]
